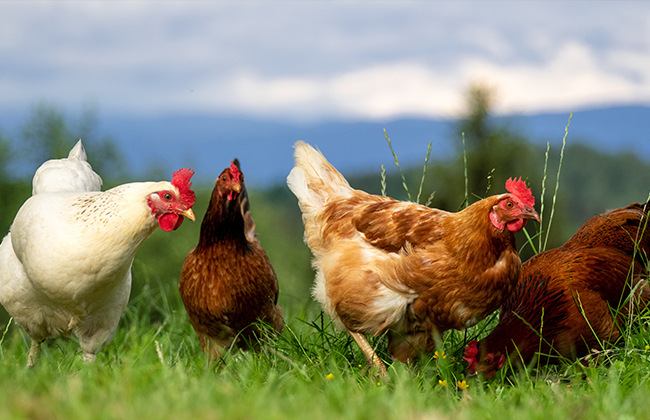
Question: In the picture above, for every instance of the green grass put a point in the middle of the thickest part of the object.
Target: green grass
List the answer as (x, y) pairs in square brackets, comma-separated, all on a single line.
[(156, 370)]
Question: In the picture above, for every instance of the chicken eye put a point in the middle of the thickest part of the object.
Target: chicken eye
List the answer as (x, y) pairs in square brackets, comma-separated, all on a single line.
[(167, 196), (510, 205)]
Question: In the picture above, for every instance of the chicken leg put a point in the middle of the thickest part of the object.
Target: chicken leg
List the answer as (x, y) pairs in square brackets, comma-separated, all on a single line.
[(369, 352), (34, 353)]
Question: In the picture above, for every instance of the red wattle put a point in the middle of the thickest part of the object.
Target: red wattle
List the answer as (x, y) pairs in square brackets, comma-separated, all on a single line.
[(170, 221), (517, 225)]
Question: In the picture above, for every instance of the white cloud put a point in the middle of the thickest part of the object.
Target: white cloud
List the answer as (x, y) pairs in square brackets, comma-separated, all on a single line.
[(575, 77), (381, 91), (324, 60), (378, 92)]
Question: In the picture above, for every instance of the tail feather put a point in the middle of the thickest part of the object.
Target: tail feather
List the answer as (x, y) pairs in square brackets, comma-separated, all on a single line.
[(314, 180), (78, 152)]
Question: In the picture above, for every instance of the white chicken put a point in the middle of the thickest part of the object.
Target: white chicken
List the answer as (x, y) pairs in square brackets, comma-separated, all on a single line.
[(72, 174), (65, 266)]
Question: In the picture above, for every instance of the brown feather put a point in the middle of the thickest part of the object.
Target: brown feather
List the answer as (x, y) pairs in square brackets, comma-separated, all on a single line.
[(387, 265), (568, 295), (227, 282)]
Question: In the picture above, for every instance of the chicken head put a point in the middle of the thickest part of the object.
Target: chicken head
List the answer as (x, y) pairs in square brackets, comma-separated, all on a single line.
[(229, 182), (514, 209), (170, 206)]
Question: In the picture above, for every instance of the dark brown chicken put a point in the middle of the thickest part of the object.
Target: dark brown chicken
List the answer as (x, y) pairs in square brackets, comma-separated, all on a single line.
[(227, 283), (391, 266), (572, 299)]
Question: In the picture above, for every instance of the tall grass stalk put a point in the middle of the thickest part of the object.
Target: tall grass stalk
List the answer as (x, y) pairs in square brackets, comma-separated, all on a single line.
[(4, 334), (557, 181), (636, 254), (541, 198), (466, 202), (406, 188), (424, 172)]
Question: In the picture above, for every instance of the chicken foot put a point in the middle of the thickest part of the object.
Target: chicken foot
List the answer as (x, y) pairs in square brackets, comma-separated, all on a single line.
[(369, 352), (34, 353)]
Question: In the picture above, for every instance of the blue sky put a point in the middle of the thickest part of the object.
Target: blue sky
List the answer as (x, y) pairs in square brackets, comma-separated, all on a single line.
[(315, 61)]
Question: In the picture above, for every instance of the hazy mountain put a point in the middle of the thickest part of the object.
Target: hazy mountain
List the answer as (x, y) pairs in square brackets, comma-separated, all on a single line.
[(207, 143)]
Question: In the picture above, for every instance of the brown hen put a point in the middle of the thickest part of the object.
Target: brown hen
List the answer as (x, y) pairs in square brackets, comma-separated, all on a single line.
[(572, 299), (227, 282), (389, 266)]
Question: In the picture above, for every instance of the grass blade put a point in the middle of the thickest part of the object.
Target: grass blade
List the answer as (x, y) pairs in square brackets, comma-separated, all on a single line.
[(4, 334), (541, 209), (398, 167), (430, 199), (557, 181), (466, 203), (529, 241), (424, 171)]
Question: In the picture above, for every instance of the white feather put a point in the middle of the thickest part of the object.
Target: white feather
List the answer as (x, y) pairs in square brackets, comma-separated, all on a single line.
[(314, 181), (66, 264), (72, 174)]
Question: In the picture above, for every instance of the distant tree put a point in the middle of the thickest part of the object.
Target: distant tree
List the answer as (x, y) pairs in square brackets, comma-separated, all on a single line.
[(495, 152), (595, 181), (13, 190), (6, 154), (103, 152), (48, 135)]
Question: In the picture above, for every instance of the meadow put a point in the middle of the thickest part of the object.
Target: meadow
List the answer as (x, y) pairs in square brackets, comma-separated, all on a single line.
[(156, 370), (154, 367)]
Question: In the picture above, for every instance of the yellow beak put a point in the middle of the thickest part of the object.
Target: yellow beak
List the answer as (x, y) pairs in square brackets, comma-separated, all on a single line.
[(530, 213), (189, 214)]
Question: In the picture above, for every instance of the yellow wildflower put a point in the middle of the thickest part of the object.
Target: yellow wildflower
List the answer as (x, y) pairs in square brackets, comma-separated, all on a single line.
[(329, 376), (443, 383), (462, 385), (440, 354), (647, 347)]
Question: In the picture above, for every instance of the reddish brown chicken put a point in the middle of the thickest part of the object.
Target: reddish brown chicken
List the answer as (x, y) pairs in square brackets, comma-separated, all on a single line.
[(227, 283), (390, 266), (594, 272)]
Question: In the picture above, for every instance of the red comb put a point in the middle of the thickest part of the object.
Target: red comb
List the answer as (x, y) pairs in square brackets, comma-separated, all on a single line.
[(234, 172), (181, 180), (518, 188)]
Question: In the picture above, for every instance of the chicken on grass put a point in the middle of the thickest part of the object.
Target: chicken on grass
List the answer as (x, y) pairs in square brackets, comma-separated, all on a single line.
[(227, 283), (65, 266), (398, 267), (573, 299)]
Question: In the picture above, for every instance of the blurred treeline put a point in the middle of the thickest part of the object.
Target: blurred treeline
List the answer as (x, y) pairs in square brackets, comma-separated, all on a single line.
[(590, 182)]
